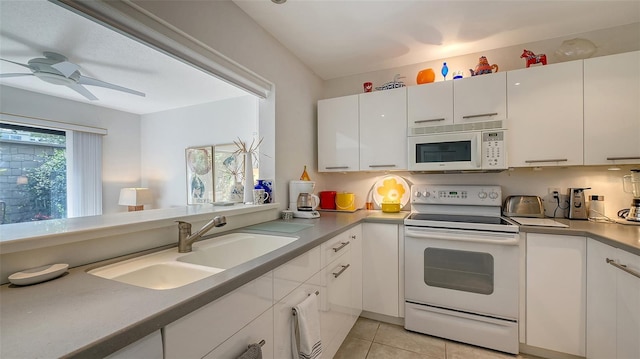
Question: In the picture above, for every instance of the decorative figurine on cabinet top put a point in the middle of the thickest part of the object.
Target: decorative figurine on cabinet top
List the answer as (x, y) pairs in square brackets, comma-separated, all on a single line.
[(483, 67), (532, 58), (444, 71)]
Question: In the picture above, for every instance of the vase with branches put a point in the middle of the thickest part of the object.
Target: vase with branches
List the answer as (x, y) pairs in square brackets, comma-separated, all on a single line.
[(248, 153)]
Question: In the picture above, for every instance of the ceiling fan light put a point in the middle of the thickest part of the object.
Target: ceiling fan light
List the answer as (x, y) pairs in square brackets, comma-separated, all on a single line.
[(54, 78), (278, 1)]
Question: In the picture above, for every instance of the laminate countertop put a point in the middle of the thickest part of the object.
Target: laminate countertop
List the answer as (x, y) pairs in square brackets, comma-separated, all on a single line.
[(84, 316)]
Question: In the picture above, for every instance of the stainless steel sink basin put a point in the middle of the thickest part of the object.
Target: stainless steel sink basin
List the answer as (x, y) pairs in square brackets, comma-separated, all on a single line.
[(236, 249), (169, 269)]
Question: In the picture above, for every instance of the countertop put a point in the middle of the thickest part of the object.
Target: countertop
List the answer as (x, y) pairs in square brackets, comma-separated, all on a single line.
[(84, 316)]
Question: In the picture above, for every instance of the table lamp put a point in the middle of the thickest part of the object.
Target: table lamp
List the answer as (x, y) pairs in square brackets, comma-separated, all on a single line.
[(135, 198)]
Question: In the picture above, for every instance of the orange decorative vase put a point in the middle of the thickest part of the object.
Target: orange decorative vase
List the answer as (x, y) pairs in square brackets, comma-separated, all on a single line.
[(425, 76)]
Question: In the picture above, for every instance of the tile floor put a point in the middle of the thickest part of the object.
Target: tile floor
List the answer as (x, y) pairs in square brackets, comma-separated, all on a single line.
[(371, 339)]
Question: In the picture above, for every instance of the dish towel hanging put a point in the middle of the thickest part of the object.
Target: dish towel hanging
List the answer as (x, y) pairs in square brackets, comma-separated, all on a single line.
[(305, 331), (254, 352)]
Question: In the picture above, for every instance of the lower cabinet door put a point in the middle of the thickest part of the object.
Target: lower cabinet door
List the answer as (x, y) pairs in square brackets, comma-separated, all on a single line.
[(259, 330), (601, 301), (628, 306), (283, 315), (196, 334), (338, 307), (149, 347), (380, 276)]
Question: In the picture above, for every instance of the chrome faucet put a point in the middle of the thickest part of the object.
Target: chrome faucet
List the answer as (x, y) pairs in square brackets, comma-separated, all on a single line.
[(186, 239)]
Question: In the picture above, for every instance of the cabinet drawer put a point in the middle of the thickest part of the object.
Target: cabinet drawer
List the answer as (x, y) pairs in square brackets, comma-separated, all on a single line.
[(196, 334), (334, 247), (290, 275), (337, 305)]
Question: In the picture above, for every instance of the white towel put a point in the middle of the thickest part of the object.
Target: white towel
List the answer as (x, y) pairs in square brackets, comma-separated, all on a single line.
[(305, 331), (254, 352)]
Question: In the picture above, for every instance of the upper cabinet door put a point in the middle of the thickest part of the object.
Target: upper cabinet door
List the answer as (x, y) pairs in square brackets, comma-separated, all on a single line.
[(480, 98), (545, 115), (338, 135), (430, 105), (383, 130), (611, 109)]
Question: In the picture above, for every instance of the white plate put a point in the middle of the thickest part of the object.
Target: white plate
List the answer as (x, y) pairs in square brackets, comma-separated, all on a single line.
[(37, 275), (391, 188)]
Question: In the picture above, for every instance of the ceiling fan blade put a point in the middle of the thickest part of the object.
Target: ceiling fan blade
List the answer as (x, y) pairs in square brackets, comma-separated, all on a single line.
[(14, 75), (17, 63), (93, 82), (83, 91), (66, 68)]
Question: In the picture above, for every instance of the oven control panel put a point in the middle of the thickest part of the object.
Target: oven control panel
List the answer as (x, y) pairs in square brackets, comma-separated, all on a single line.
[(456, 195)]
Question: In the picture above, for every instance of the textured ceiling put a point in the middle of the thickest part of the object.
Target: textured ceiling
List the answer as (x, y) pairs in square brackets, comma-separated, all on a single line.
[(337, 38), (27, 28)]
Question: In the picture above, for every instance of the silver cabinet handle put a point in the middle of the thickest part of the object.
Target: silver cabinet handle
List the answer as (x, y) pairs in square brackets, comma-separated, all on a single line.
[(336, 167), (431, 120), (551, 160), (622, 158), (481, 115), (375, 166), (342, 245), (623, 267), (344, 268)]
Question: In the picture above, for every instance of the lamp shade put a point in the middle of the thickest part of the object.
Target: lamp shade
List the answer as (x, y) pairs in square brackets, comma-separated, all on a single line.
[(135, 197)]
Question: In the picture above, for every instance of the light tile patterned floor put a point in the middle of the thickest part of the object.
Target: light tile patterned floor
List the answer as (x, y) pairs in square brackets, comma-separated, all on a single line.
[(370, 339)]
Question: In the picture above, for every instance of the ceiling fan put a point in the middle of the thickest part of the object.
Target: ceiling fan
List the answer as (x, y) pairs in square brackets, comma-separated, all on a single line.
[(56, 69)]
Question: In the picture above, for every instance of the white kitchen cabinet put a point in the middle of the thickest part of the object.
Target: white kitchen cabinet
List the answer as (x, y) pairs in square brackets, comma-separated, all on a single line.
[(613, 310), (380, 269), (430, 105), (196, 334), (545, 115), (338, 307), (149, 347), (383, 130), (611, 110), (556, 293), (355, 235), (258, 330), (480, 98), (338, 135)]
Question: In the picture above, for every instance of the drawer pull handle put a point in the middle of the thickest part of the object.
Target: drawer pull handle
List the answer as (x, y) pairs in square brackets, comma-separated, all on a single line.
[(551, 160), (293, 310), (623, 158), (431, 120), (342, 245), (336, 167), (623, 267), (344, 268), (376, 166), (481, 115)]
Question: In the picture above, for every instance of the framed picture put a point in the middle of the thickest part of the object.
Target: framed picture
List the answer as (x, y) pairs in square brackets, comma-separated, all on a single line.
[(200, 187)]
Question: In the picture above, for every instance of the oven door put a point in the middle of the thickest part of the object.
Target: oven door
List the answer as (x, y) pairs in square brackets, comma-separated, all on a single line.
[(445, 152), (465, 270)]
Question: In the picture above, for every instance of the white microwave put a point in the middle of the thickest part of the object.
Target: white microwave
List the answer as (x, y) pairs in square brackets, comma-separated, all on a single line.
[(483, 150)]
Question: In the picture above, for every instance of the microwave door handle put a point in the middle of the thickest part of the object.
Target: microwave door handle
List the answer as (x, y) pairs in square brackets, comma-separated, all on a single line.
[(478, 145)]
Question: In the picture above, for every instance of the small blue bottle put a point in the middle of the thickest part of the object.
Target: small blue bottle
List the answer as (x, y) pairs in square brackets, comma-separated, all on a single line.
[(445, 70)]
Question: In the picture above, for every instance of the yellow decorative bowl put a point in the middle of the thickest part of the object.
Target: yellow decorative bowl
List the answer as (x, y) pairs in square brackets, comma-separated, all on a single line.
[(390, 207)]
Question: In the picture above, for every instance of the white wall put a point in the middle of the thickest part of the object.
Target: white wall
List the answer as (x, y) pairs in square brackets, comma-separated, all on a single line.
[(120, 147), (227, 29), (165, 135)]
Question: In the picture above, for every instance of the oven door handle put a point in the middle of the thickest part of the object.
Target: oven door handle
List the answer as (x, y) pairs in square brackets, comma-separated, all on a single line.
[(509, 239)]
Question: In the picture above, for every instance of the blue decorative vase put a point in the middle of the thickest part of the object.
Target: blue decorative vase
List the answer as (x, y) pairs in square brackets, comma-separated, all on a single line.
[(267, 185)]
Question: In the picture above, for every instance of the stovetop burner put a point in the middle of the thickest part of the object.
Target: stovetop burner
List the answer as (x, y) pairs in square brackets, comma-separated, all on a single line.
[(458, 219)]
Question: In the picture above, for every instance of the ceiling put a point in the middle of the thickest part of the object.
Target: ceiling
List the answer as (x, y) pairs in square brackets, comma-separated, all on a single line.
[(338, 38), (335, 38), (27, 28)]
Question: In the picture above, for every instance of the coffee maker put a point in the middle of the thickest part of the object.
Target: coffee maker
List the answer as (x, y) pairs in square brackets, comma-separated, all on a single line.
[(631, 184), (302, 201)]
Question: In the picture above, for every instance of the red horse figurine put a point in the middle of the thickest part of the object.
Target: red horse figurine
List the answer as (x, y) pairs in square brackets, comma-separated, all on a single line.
[(533, 58)]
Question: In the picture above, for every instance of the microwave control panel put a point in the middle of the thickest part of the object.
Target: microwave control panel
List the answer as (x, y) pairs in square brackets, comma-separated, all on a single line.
[(493, 150)]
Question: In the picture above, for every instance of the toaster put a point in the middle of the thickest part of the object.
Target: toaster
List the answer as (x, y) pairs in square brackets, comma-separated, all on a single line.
[(523, 206)]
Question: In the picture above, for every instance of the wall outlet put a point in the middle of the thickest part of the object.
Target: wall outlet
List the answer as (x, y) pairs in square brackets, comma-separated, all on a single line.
[(553, 189)]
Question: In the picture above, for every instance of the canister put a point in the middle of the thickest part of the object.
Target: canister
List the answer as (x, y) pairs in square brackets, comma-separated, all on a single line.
[(345, 201), (327, 199)]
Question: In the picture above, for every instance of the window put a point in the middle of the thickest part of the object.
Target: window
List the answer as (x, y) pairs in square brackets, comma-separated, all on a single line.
[(48, 173), (33, 174)]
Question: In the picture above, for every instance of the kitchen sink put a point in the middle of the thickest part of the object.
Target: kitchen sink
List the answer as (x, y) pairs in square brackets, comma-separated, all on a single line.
[(236, 249), (169, 269), (166, 275)]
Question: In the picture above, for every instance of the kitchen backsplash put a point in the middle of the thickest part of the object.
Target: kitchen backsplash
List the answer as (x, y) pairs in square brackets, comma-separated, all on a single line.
[(518, 181)]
